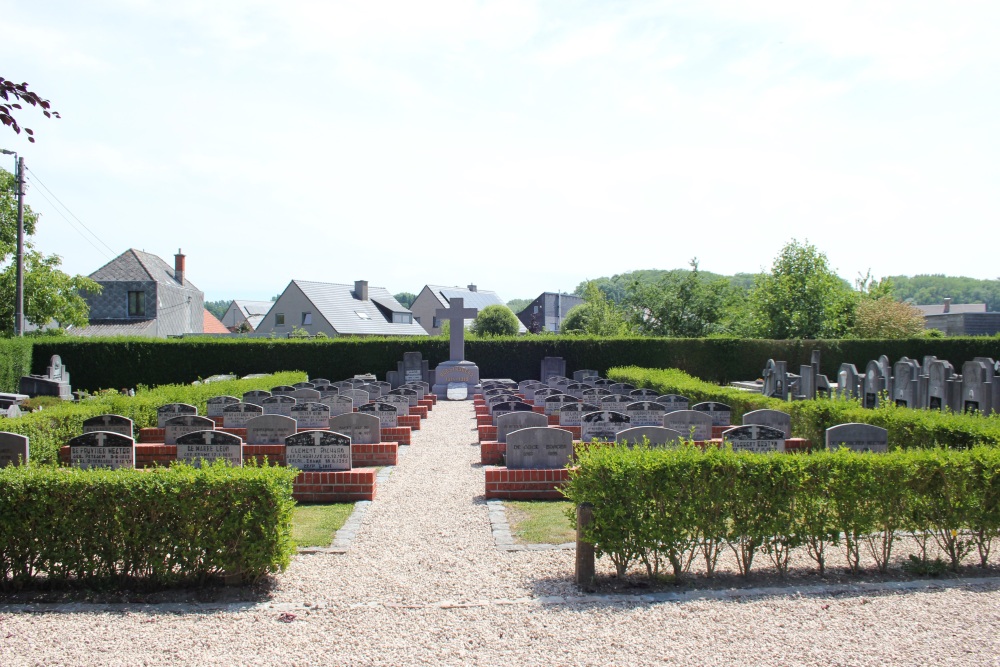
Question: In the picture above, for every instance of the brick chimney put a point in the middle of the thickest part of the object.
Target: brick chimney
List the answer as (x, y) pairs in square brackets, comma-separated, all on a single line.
[(179, 267), (947, 305), (472, 288), (361, 289)]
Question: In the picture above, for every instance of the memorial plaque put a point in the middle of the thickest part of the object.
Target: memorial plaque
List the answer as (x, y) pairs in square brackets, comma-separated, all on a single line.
[(616, 402), (101, 449), (654, 436), (13, 449), (340, 405), (755, 438), (572, 413), (693, 424), (539, 448), (622, 388), (238, 414), (304, 385), (278, 405), (110, 424), (209, 446), (311, 415), (858, 438), (178, 426), (318, 450), (165, 412), (214, 405), (603, 425), (555, 402), (674, 402), (510, 406), (646, 413), (720, 413), (256, 397), (269, 429), (386, 413), (773, 418), (362, 429), (306, 395), (514, 421), (282, 390)]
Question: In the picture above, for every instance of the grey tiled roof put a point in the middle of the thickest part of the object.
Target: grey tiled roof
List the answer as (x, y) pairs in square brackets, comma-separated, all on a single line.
[(337, 304), (953, 309), (254, 311), (478, 299), (116, 328), (136, 265)]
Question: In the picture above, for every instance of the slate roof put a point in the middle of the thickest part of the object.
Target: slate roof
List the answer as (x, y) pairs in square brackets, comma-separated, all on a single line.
[(116, 328), (953, 309), (136, 265), (254, 311), (337, 304), (212, 325), (478, 299)]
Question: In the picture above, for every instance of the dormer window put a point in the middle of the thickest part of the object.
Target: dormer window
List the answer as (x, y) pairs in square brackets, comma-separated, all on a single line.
[(136, 304)]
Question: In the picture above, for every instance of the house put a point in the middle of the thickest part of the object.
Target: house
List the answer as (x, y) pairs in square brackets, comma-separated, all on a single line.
[(432, 297), (143, 296), (212, 325), (338, 310), (548, 311), (961, 319), (249, 312)]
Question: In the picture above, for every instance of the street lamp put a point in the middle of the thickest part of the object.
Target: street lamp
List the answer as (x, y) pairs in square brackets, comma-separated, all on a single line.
[(19, 289)]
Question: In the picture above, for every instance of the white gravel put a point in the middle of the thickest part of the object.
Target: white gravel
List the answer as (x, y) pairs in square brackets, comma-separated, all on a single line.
[(423, 583)]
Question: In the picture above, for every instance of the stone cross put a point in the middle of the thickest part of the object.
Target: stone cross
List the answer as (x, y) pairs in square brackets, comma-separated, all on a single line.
[(456, 315)]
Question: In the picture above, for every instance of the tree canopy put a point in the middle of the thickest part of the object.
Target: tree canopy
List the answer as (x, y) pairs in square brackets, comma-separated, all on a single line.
[(495, 320), (15, 93)]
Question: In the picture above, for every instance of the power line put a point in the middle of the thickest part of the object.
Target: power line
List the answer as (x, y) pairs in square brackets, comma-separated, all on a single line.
[(70, 222), (99, 239)]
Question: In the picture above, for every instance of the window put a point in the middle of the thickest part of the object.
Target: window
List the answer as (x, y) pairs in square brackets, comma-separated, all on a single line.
[(436, 323), (136, 304), (417, 319), (402, 318), (363, 315), (279, 319), (536, 310), (307, 318)]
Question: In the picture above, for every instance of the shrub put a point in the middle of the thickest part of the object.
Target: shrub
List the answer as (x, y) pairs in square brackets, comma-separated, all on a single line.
[(495, 320)]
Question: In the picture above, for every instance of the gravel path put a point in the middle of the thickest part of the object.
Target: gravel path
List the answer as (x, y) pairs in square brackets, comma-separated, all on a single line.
[(424, 583)]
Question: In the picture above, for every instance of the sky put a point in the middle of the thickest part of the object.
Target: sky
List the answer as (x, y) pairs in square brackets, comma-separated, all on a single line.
[(522, 146)]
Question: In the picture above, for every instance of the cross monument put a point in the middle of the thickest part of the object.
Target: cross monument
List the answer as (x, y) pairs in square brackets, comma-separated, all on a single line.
[(460, 374), (456, 315)]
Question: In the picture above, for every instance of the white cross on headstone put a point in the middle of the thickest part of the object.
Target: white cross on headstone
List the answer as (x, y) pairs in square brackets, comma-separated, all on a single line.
[(456, 315)]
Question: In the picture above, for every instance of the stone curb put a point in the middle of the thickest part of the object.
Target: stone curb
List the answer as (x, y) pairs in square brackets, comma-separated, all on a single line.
[(502, 537)]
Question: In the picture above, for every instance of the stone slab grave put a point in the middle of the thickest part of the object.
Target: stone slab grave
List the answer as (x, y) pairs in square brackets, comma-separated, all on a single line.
[(370, 388), (575, 389), (776, 379), (773, 418), (100, 449), (419, 387), (165, 412), (327, 390), (514, 421), (413, 368), (941, 386), (585, 374), (623, 388), (554, 403), (616, 402), (110, 424), (412, 396), (402, 404), (319, 381), (539, 448), (848, 381), (527, 388), (342, 405), (214, 405), (282, 390), (312, 414), (209, 446), (306, 395), (905, 383), (238, 414), (644, 394), (541, 394), (604, 383), (873, 384), (505, 407), (13, 449), (755, 438), (386, 413), (552, 367), (269, 429), (358, 397), (594, 394), (654, 436), (694, 424), (572, 414), (256, 397), (55, 382), (318, 451), (674, 402), (646, 413), (280, 404), (858, 438), (457, 370), (603, 425), (977, 387), (304, 385), (362, 429), (720, 413), (183, 424)]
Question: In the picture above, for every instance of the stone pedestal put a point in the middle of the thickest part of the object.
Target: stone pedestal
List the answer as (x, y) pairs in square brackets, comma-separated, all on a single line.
[(456, 371)]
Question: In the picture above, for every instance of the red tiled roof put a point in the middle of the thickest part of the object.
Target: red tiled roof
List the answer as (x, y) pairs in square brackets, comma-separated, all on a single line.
[(212, 325)]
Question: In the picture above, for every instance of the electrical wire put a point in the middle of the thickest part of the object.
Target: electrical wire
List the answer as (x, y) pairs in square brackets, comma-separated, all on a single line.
[(99, 239), (70, 223)]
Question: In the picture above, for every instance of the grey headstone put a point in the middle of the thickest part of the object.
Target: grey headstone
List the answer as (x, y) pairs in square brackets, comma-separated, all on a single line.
[(411, 395), (674, 402), (773, 418), (644, 394), (311, 415), (593, 394), (304, 385), (552, 366), (616, 402), (539, 448), (977, 386), (256, 397), (269, 429), (306, 395), (585, 374), (646, 413), (109, 423), (555, 402), (318, 450), (540, 395), (165, 412), (101, 449), (13, 449), (510, 406), (210, 446), (178, 426), (657, 436), (693, 424), (623, 388), (362, 429), (938, 389), (513, 421), (603, 425), (572, 414), (214, 405), (339, 405), (755, 438), (238, 414), (857, 437), (278, 405), (386, 413), (848, 381), (282, 390), (905, 374), (720, 413)]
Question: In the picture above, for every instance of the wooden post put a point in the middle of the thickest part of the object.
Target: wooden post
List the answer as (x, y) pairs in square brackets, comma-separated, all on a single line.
[(585, 565)]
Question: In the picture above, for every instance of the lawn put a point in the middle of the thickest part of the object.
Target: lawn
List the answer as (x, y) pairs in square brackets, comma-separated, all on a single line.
[(315, 525), (540, 521)]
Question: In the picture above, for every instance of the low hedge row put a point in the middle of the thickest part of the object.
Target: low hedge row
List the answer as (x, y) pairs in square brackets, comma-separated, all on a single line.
[(908, 428), (157, 527), (50, 428), (665, 507)]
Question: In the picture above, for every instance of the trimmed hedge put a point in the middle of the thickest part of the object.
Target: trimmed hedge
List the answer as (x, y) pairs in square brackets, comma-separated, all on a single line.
[(665, 507), (127, 362), (15, 361), (158, 527), (908, 428), (52, 427)]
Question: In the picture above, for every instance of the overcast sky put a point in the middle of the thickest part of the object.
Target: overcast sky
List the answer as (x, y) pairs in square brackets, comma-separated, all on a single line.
[(523, 146)]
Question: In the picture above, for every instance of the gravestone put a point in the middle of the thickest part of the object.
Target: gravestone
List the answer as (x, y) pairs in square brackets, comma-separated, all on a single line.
[(528, 389), (402, 404), (214, 405), (572, 414), (646, 413), (905, 374), (342, 385), (327, 390), (306, 395), (278, 405), (541, 394), (456, 371), (654, 436), (552, 366), (977, 387), (693, 424), (603, 425), (674, 402), (411, 395), (616, 402), (940, 384), (13, 449), (554, 403), (384, 387), (604, 383), (256, 397), (165, 412), (318, 381), (504, 407), (101, 449), (282, 390), (178, 426), (514, 421), (585, 374), (304, 385), (776, 379), (359, 397), (362, 429), (372, 389), (873, 384), (576, 389), (539, 448), (720, 413), (413, 368), (210, 446), (421, 389), (858, 438), (109, 423), (311, 415), (501, 398), (269, 429), (55, 382), (238, 414), (773, 418), (593, 394), (807, 383), (386, 413), (342, 405), (848, 382), (318, 450), (643, 394), (553, 380), (623, 388), (755, 438)]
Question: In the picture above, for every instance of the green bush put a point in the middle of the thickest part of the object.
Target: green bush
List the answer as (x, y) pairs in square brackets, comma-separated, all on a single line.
[(157, 527), (495, 320), (654, 506), (15, 361)]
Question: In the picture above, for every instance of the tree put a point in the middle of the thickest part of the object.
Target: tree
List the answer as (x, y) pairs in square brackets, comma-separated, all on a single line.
[(517, 305), (680, 304), (49, 294), (495, 320), (218, 308), (880, 315), (597, 316), (405, 298), (801, 297), (18, 92)]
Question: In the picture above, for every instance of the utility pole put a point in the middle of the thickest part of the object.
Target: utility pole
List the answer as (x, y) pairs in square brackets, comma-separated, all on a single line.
[(19, 290)]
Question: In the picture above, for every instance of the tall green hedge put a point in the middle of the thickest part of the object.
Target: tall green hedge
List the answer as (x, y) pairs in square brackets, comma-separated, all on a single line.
[(15, 361), (127, 362)]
